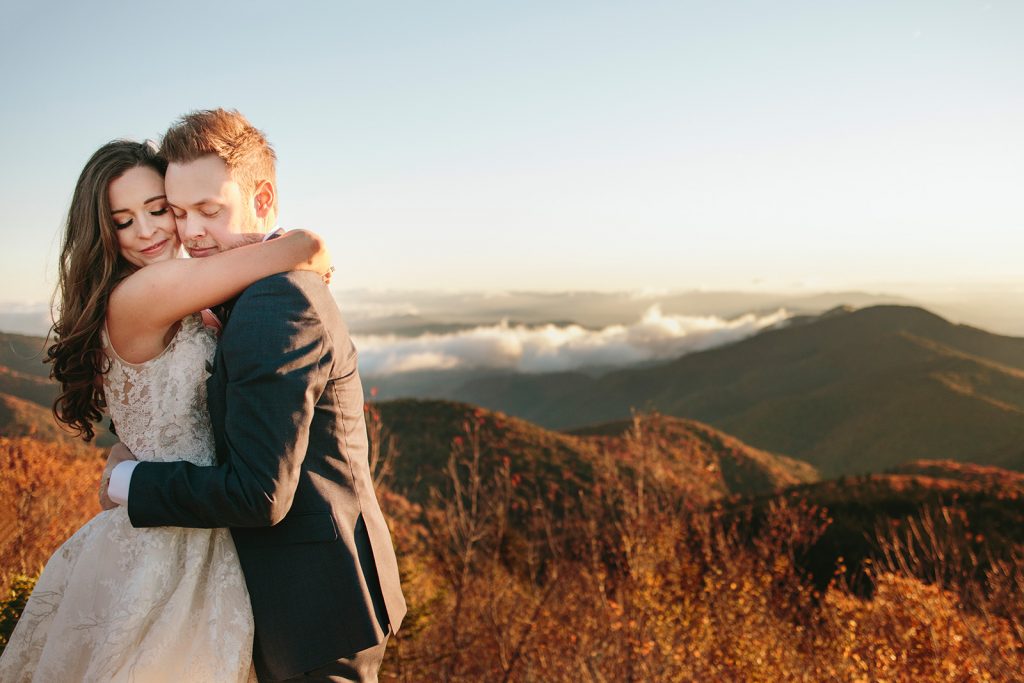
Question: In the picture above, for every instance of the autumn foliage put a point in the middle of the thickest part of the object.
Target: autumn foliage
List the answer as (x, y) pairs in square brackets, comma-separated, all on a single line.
[(514, 572), (632, 583), (47, 491)]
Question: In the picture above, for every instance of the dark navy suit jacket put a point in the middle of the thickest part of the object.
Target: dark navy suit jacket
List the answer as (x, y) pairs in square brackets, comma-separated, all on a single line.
[(293, 480)]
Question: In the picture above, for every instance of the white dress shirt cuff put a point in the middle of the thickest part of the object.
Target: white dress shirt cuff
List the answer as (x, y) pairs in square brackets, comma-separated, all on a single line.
[(120, 482)]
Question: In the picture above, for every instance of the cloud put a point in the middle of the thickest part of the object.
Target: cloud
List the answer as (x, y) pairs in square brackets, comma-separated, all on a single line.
[(551, 348)]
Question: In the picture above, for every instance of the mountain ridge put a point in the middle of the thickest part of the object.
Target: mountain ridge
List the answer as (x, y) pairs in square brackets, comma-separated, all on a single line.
[(703, 463), (851, 391)]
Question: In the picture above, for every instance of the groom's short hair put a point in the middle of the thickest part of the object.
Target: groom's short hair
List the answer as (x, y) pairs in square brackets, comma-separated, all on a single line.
[(225, 132)]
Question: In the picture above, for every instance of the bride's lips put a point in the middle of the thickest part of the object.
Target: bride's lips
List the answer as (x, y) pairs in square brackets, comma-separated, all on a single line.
[(155, 249)]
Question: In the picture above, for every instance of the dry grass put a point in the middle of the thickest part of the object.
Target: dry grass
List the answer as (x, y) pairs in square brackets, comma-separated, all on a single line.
[(627, 582), (634, 586)]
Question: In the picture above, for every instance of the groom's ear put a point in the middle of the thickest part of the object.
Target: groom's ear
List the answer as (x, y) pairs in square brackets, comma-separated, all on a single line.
[(264, 198)]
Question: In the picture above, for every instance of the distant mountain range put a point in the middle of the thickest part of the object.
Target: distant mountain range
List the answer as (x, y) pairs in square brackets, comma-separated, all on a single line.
[(849, 391)]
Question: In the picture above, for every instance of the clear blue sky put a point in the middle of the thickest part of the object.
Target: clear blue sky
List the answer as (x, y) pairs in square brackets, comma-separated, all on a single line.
[(558, 145)]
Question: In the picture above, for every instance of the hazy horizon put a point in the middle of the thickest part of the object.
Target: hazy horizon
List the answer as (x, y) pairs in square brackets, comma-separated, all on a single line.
[(403, 332)]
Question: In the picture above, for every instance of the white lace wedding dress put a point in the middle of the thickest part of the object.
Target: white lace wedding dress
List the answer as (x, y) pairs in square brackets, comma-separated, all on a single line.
[(116, 603)]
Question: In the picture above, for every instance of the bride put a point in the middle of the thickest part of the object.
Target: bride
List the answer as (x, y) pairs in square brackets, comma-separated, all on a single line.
[(116, 603)]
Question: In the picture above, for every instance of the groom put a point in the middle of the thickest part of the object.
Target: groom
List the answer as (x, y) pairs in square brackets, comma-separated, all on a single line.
[(286, 403)]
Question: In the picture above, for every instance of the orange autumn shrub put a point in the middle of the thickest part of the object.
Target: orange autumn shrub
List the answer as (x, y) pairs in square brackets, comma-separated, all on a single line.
[(913, 631), (47, 491)]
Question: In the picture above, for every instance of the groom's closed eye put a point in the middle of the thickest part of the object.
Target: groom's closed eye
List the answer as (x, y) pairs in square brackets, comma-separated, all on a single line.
[(208, 212)]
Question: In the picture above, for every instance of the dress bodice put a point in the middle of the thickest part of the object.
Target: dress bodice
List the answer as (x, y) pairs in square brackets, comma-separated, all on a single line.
[(159, 406)]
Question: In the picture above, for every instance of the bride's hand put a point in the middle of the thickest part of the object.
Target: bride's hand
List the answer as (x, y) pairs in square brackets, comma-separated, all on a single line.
[(119, 453), (320, 258)]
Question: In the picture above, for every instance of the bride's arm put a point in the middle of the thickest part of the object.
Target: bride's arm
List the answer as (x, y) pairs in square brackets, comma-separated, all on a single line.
[(155, 297)]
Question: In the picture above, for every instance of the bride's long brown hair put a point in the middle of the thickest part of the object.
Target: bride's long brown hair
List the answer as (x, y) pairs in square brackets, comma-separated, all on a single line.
[(90, 266)]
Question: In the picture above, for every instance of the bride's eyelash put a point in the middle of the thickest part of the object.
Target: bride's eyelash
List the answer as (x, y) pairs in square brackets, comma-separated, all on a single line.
[(122, 226), (159, 212)]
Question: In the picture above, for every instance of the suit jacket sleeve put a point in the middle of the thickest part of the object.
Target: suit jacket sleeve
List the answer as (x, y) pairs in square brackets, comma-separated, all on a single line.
[(274, 358)]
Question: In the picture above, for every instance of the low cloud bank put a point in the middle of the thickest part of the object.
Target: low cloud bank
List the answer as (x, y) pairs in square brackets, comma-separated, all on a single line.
[(552, 348)]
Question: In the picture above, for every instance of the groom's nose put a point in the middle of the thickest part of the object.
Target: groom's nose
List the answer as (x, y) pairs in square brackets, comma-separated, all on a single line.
[(189, 228)]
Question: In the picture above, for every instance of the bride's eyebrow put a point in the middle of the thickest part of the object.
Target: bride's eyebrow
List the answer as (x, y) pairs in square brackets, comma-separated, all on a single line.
[(151, 199)]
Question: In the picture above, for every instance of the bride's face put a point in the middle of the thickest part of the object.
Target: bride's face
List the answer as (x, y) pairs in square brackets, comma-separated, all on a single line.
[(142, 216)]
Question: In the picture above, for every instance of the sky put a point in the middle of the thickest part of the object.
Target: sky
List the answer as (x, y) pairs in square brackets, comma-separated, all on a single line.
[(552, 146)]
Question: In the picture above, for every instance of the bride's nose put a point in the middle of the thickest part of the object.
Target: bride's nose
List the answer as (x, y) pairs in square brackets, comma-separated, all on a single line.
[(146, 226)]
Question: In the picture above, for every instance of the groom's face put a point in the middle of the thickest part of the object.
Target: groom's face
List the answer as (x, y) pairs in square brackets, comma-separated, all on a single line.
[(210, 208)]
